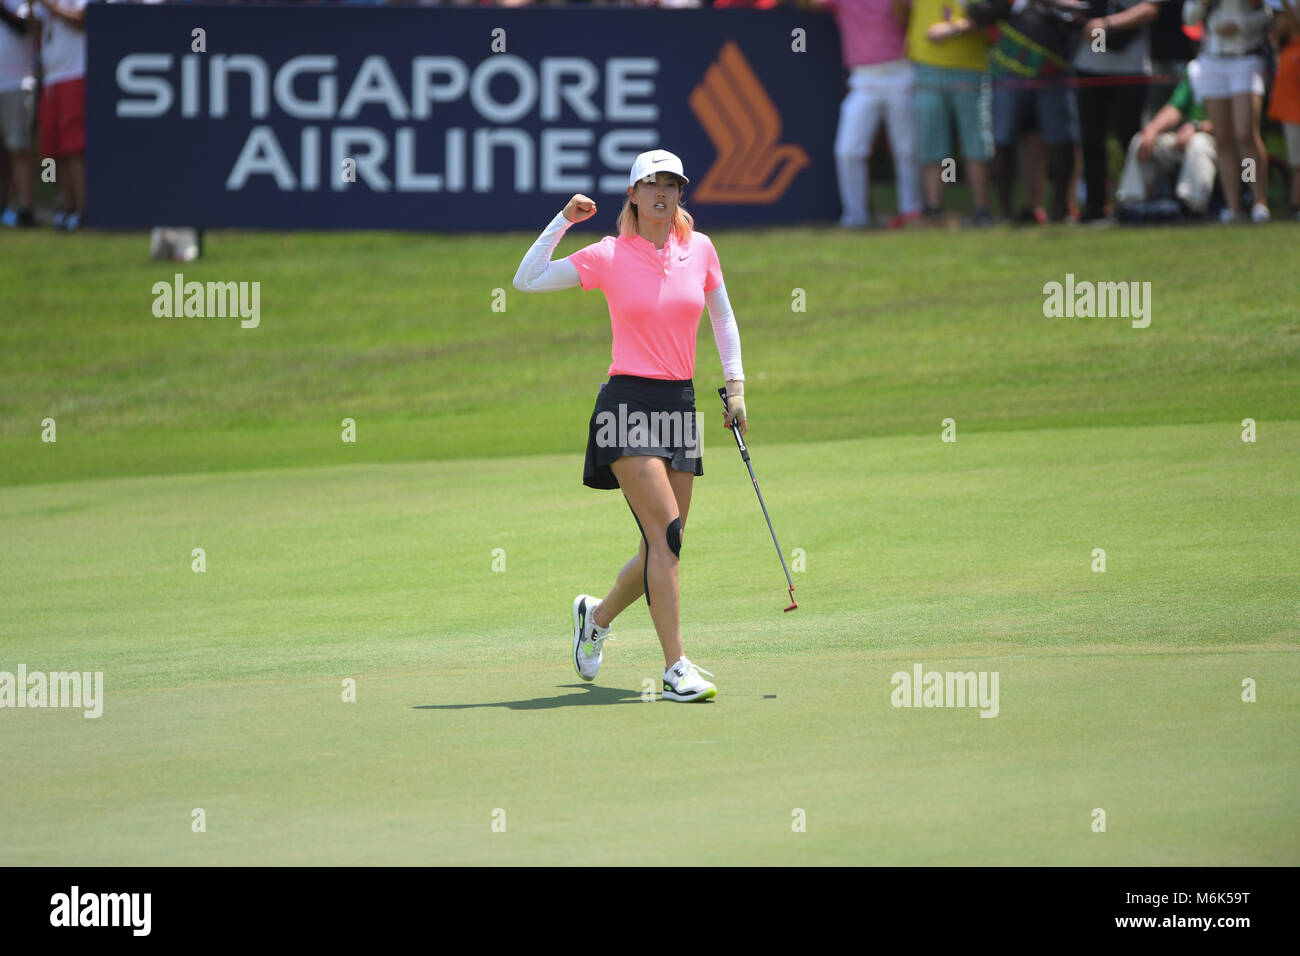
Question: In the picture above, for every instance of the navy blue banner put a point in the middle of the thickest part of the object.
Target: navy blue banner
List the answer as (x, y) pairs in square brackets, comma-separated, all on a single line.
[(452, 119)]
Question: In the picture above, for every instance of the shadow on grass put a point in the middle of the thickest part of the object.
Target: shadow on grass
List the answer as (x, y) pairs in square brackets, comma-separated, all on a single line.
[(594, 695)]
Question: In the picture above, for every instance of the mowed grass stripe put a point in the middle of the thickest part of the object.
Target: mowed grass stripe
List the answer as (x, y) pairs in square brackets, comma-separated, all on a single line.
[(1119, 690), (355, 564), (398, 332), (1187, 773)]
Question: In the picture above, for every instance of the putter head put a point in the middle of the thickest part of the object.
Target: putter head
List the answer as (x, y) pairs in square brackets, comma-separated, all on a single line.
[(793, 604)]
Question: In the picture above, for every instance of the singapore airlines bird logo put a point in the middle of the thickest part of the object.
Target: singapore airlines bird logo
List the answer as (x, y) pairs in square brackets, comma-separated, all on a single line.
[(744, 124)]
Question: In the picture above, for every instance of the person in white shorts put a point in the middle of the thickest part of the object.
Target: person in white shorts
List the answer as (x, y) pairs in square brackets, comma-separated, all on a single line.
[(1232, 85), (17, 108)]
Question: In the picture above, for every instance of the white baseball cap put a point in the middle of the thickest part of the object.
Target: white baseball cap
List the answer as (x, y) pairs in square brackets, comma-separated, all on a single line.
[(656, 161)]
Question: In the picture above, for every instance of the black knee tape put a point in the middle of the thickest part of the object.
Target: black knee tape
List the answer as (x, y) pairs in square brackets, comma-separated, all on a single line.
[(674, 535)]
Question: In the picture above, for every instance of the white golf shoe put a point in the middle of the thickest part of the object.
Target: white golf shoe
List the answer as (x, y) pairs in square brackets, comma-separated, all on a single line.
[(682, 682), (588, 638)]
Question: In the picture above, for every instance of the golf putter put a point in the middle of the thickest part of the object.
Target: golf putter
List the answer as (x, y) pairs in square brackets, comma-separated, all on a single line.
[(744, 453)]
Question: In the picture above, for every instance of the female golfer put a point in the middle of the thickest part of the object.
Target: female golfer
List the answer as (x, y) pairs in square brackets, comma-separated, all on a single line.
[(657, 274)]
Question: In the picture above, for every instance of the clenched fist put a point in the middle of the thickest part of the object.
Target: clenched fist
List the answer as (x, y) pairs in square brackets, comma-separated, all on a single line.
[(579, 208)]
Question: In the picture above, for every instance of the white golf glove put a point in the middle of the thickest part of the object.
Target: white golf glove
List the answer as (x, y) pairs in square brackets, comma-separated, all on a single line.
[(736, 405)]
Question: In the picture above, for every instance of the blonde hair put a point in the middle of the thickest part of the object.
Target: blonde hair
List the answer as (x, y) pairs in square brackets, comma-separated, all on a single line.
[(681, 226)]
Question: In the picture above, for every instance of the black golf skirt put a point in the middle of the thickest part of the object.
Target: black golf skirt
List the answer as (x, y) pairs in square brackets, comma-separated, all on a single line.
[(642, 416)]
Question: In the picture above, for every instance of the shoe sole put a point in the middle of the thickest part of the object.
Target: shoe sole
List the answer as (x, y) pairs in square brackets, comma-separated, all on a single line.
[(708, 694), (577, 638)]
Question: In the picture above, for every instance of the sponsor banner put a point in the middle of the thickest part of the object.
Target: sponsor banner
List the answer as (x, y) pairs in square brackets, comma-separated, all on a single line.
[(452, 119)]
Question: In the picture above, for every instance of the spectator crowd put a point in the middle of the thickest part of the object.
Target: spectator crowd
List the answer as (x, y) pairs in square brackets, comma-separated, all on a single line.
[(1036, 88), (1033, 90)]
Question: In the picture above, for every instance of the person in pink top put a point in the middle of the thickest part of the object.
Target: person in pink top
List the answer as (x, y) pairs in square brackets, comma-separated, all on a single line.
[(873, 35), (657, 274)]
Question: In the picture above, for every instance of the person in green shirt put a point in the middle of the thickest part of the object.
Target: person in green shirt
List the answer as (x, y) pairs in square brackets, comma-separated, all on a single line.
[(1178, 142)]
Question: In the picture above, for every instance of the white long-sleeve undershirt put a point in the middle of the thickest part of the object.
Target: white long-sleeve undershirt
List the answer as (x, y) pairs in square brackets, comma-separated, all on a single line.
[(538, 273)]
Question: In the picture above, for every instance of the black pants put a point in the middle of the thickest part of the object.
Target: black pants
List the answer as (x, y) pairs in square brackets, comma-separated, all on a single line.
[(1104, 108)]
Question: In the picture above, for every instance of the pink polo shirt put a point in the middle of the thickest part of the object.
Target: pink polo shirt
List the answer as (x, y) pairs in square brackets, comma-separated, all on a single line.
[(655, 299), (869, 31)]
